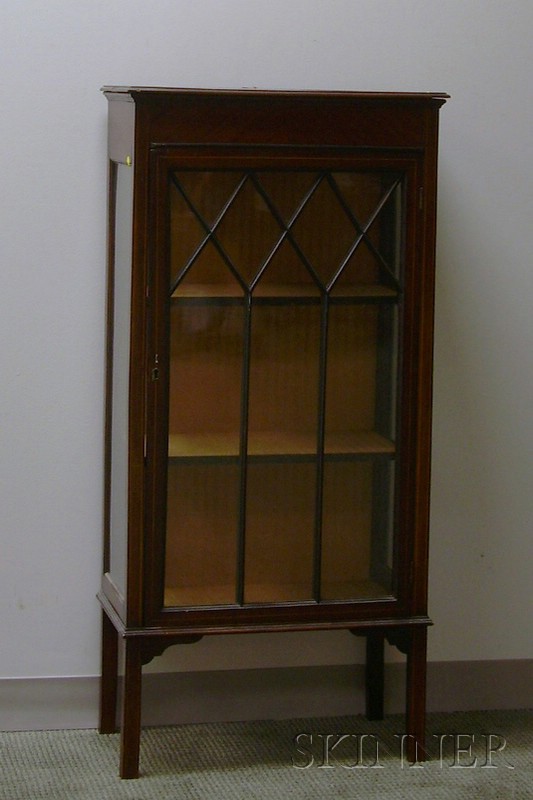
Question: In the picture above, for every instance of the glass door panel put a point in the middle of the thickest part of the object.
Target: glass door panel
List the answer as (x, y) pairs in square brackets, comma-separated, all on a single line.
[(207, 277), (205, 380), (358, 499), (283, 363), (206, 193), (280, 525), (282, 452), (286, 276), (205, 370), (357, 530), (248, 232), (202, 521), (286, 193), (323, 231), (346, 531), (283, 378), (351, 368), (371, 264), (198, 203)]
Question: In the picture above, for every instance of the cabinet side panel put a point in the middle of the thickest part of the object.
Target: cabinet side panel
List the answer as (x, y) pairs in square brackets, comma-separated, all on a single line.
[(120, 255), (121, 128)]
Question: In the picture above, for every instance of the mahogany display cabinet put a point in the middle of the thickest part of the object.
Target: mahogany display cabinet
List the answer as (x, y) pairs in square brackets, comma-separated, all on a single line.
[(269, 365)]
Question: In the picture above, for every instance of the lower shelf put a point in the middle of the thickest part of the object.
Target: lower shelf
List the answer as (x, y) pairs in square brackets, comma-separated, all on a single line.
[(273, 593)]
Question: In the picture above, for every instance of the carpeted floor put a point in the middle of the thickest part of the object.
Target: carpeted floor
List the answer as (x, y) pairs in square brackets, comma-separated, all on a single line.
[(485, 755)]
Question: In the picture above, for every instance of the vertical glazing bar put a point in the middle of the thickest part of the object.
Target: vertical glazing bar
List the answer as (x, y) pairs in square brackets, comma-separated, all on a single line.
[(383, 474), (243, 449), (321, 426)]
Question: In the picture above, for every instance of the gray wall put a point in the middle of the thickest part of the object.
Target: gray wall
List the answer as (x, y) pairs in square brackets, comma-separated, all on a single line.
[(53, 59)]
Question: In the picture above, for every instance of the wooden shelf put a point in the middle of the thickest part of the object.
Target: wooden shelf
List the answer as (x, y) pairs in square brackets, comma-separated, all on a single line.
[(203, 291), (363, 290), (224, 594), (273, 443), (220, 291)]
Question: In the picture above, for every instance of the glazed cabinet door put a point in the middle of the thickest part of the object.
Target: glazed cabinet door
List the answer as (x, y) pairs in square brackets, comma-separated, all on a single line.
[(275, 446)]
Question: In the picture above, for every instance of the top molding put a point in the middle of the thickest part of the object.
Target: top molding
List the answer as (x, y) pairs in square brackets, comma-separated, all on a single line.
[(137, 92)]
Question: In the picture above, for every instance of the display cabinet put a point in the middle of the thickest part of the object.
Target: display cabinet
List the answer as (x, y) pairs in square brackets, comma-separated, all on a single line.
[(270, 308)]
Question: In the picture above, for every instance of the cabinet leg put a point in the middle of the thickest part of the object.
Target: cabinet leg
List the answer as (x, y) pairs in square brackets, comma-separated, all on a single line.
[(109, 677), (374, 675), (131, 710), (416, 695)]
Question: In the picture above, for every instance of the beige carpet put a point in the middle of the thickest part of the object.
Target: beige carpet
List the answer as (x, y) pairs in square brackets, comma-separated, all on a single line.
[(485, 755)]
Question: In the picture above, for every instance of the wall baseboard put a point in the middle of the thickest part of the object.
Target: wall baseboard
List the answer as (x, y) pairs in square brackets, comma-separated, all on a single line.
[(231, 695)]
